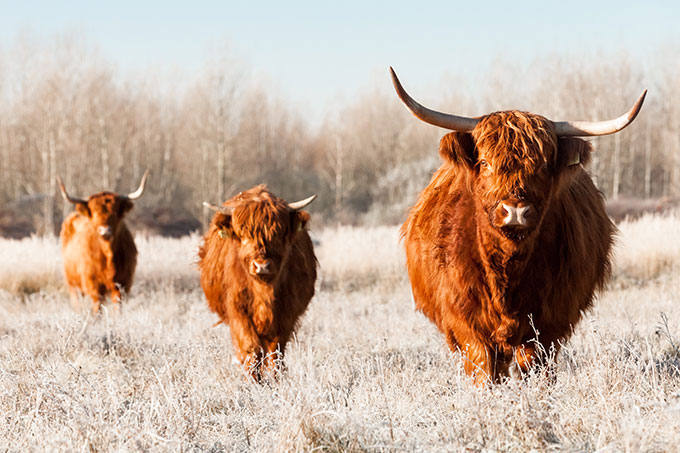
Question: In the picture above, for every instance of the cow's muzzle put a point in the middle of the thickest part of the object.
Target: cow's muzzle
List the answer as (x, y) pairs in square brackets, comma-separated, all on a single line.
[(105, 231), (516, 215), (261, 267), (516, 218)]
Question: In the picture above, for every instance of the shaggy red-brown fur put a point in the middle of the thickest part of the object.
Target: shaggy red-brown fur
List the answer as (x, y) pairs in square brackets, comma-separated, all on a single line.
[(95, 265), (261, 310), (484, 284)]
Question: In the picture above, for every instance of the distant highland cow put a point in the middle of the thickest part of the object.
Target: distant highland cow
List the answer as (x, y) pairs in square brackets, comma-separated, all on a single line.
[(511, 235), (98, 249), (257, 272)]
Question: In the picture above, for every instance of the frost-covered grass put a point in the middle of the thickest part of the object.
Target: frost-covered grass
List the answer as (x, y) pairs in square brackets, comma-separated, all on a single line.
[(353, 258), (649, 246), (365, 373)]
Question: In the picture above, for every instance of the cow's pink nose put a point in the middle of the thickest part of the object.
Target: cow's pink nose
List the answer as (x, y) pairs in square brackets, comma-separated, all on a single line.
[(261, 267), (105, 231), (516, 215)]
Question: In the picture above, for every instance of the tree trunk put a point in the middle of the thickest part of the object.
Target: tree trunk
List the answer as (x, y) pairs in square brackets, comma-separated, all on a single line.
[(104, 150), (338, 178), (616, 178), (648, 160), (49, 174)]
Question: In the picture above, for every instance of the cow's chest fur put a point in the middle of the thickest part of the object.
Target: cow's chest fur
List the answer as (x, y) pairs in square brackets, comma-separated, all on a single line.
[(261, 306), (519, 292), (101, 264), (506, 314)]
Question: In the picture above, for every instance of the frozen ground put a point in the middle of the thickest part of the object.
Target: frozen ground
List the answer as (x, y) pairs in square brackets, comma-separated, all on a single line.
[(365, 373)]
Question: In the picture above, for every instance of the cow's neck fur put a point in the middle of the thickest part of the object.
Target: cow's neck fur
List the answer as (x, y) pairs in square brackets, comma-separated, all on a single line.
[(264, 298), (504, 263), (108, 250)]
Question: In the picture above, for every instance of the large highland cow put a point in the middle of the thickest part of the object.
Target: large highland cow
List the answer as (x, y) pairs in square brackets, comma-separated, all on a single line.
[(98, 250), (510, 240), (257, 272)]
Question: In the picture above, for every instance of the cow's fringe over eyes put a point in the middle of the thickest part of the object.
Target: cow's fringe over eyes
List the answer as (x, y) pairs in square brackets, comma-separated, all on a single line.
[(518, 141), (259, 216)]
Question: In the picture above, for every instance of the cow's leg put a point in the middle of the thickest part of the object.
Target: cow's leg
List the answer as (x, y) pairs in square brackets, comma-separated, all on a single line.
[(246, 342), (529, 356), (95, 292), (96, 303), (525, 355), (75, 295), (273, 355), (478, 360), (116, 298), (478, 363)]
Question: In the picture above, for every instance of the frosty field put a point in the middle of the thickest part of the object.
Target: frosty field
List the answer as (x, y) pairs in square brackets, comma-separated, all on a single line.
[(365, 372)]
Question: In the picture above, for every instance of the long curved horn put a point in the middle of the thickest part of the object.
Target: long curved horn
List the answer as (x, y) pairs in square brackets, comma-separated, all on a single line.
[(140, 190), (297, 205), (66, 196), (589, 129), (453, 122), (228, 210)]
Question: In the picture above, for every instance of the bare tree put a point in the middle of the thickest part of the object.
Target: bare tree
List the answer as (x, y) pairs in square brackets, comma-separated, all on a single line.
[(65, 111)]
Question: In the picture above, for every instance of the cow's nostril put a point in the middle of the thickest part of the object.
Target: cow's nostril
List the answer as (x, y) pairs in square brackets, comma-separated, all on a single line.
[(261, 267), (515, 215), (104, 231)]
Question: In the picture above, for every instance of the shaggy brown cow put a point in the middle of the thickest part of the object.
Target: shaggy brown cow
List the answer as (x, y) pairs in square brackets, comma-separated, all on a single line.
[(98, 250), (510, 231), (257, 272)]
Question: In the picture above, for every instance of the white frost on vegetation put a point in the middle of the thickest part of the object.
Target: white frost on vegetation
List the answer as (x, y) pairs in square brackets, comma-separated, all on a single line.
[(364, 373), (649, 246)]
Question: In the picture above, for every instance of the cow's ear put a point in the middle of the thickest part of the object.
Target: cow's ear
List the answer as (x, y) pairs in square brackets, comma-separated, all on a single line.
[(571, 152), (299, 221), (458, 148), (125, 206), (83, 209), (223, 224)]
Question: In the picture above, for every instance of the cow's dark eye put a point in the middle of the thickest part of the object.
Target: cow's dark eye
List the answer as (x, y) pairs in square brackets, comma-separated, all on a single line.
[(483, 164)]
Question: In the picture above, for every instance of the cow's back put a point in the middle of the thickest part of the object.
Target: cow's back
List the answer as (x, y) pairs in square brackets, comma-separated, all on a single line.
[(439, 236), (220, 273), (82, 259), (297, 289), (68, 229)]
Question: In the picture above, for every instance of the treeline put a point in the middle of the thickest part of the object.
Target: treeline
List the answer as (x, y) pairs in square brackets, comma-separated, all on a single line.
[(66, 112)]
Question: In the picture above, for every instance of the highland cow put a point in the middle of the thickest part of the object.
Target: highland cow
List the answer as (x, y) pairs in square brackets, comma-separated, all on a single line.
[(257, 272), (98, 250), (510, 240)]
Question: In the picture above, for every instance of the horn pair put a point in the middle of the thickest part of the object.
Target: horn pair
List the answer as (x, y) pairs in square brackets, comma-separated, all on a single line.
[(228, 210), (131, 196), (562, 128)]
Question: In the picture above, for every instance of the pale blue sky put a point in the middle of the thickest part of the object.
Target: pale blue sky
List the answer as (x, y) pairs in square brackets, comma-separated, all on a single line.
[(316, 52)]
